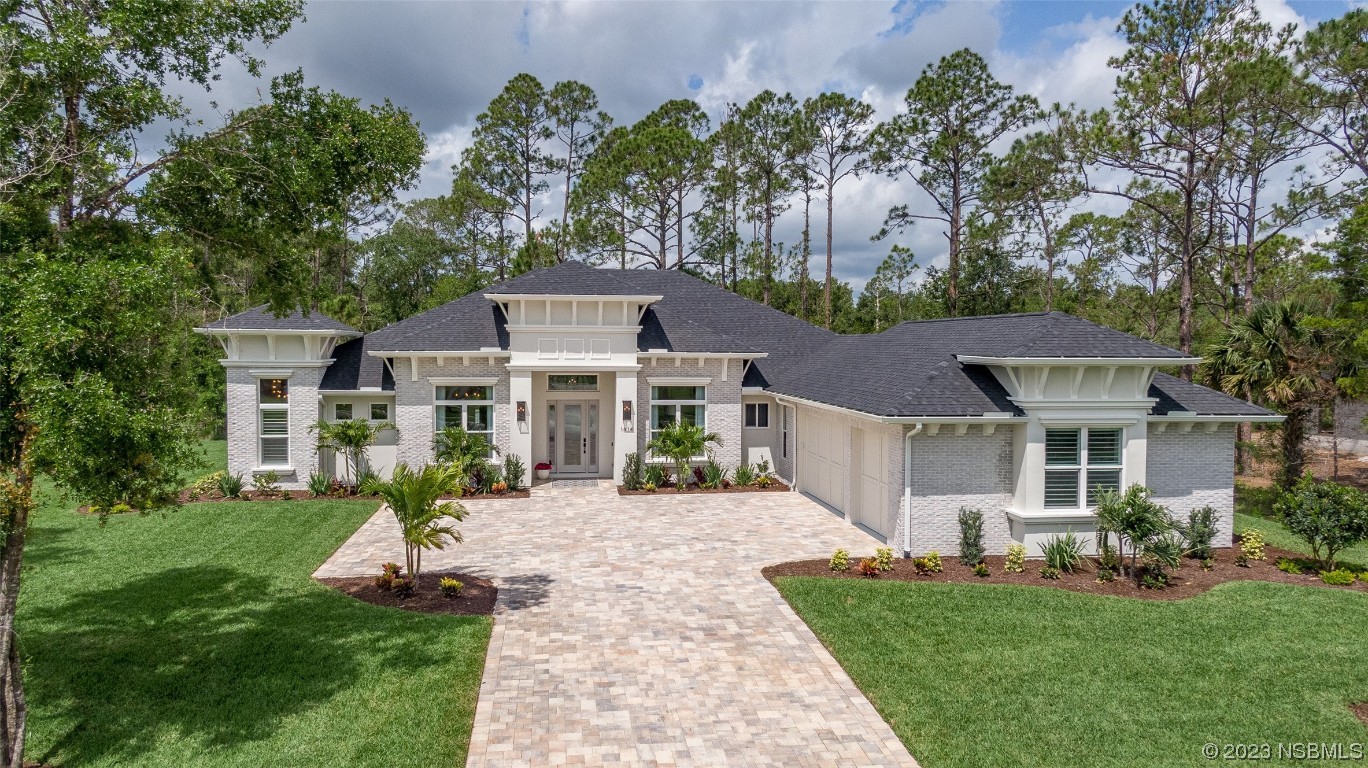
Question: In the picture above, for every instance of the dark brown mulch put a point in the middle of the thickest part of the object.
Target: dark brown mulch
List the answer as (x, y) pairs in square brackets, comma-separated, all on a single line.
[(519, 494), (1361, 711), (693, 490), (1187, 581), (477, 597)]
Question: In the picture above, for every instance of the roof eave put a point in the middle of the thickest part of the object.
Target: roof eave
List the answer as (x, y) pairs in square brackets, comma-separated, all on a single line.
[(1041, 361)]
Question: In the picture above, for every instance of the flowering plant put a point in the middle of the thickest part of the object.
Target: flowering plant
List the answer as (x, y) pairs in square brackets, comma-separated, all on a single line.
[(543, 465)]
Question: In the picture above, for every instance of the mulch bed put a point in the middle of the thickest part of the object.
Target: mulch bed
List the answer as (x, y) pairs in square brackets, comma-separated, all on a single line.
[(520, 494), (693, 490), (477, 598), (1185, 582)]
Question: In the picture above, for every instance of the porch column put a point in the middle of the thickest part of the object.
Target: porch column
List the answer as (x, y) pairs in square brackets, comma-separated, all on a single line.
[(520, 442), (624, 432)]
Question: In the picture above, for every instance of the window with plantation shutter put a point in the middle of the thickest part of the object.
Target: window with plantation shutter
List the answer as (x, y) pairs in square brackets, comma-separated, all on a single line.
[(1079, 463), (273, 422)]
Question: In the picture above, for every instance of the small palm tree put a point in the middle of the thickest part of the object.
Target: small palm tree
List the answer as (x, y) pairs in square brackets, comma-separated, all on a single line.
[(681, 443), (461, 451), (350, 438), (415, 499), (1284, 362)]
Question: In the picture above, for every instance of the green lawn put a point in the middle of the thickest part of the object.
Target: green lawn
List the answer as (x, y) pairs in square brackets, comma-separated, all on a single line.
[(993, 675), (197, 638)]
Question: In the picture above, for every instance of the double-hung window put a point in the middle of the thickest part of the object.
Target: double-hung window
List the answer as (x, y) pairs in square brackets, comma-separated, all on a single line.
[(273, 422), (1079, 463), (675, 403), (468, 407)]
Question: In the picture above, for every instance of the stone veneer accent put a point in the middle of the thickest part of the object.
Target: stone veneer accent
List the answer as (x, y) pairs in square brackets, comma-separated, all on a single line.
[(952, 471), (1194, 469), (243, 452)]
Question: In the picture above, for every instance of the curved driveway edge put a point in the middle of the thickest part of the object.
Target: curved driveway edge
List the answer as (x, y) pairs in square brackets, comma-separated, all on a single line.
[(638, 631)]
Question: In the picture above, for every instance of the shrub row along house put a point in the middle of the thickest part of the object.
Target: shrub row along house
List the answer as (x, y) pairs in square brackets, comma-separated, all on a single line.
[(1020, 416)]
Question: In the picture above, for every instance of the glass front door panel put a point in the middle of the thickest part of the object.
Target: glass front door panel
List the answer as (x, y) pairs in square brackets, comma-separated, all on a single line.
[(572, 445)]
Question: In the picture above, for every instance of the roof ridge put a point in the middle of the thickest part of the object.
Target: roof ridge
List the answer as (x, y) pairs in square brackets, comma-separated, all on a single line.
[(1025, 346), (929, 320)]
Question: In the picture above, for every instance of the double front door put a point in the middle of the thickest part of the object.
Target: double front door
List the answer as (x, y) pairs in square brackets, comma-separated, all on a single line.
[(572, 434)]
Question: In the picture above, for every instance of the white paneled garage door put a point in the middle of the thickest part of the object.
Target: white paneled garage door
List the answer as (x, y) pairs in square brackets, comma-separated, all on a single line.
[(821, 457), (823, 472)]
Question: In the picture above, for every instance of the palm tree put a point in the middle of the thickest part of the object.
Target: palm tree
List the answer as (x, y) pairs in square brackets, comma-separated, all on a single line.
[(350, 438), (461, 450), (1285, 363), (681, 443), (413, 497)]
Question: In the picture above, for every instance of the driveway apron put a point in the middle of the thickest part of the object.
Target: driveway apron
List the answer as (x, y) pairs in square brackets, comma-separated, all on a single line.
[(638, 631)]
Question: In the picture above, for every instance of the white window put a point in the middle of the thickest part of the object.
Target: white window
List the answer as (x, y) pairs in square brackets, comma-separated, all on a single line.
[(379, 411), (1079, 463), (784, 429), (670, 404), (273, 422), (468, 407), (342, 412), (757, 415)]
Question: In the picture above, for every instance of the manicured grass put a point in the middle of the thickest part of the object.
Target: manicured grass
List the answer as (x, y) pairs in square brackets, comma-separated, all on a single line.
[(985, 675), (197, 638), (1277, 535)]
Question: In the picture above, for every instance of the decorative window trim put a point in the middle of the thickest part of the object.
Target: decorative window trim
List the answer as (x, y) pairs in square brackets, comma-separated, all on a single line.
[(756, 410), (351, 411), (371, 407), (1084, 466)]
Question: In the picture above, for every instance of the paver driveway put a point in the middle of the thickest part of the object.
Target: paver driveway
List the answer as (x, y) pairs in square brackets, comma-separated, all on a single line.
[(638, 631)]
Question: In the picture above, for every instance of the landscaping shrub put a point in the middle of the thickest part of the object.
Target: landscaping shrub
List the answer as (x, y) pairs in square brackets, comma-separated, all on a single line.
[(462, 451), (971, 536), (1016, 559), (649, 487), (267, 483), (450, 587), (1049, 572), (1200, 531), (1164, 552), (514, 470), (680, 442), (1329, 516), (320, 484), (764, 478), (698, 476), (1242, 561), (1154, 579), (745, 475), (499, 487), (1339, 577), (1105, 575), (922, 566), (657, 475), (714, 474), (389, 573), (206, 485), (1288, 565), (230, 486), (1063, 553), (120, 509), (632, 475), (1208, 564), (883, 557), (840, 560), (1251, 546), (404, 585), (933, 561), (981, 570), (868, 568), (1138, 524)]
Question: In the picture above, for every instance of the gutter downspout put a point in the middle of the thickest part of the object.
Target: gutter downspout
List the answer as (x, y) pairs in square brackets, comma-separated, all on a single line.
[(907, 489)]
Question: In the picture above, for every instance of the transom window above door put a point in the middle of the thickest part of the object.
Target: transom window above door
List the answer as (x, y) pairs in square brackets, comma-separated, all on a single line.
[(572, 382), (1079, 463)]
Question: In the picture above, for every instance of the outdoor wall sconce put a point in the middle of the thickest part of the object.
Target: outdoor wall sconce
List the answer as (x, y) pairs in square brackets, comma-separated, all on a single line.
[(627, 415), (522, 411)]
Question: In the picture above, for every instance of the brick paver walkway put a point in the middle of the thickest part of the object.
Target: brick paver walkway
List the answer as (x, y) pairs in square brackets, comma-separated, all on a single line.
[(638, 632)]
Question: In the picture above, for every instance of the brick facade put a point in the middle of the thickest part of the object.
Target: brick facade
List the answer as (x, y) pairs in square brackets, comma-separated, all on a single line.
[(1194, 469), (414, 403), (724, 413), (951, 471), (243, 406)]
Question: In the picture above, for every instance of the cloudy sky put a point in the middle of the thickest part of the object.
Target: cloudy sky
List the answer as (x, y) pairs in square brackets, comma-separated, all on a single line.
[(444, 61)]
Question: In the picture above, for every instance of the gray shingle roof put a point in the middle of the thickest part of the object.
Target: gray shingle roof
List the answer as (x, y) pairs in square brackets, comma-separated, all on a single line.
[(909, 370), (259, 318)]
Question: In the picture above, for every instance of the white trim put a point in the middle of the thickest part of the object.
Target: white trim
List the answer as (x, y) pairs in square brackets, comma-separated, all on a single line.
[(468, 353), (1181, 416), (1053, 516), (654, 353), (463, 381), (562, 367), (271, 332), (577, 329), (271, 373), (1051, 361), (293, 363), (637, 298), (756, 406), (1030, 403), (679, 381), (369, 392)]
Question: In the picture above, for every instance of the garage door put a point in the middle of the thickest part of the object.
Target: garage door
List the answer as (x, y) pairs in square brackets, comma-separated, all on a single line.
[(821, 458), (868, 464)]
